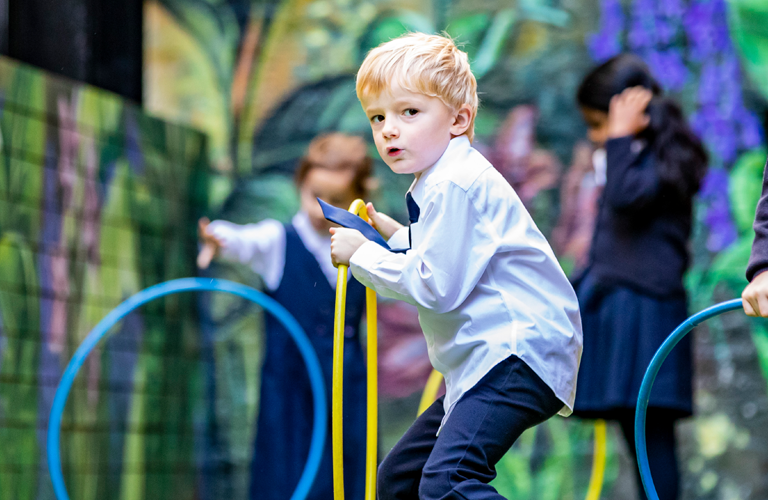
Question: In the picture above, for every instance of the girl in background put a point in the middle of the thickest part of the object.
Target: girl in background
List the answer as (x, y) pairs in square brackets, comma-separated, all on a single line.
[(294, 261), (631, 294)]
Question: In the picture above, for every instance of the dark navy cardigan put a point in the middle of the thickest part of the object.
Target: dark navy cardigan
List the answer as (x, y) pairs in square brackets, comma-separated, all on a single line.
[(758, 262), (642, 229)]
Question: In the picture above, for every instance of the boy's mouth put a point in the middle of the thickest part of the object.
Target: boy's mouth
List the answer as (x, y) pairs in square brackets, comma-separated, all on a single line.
[(393, 151)]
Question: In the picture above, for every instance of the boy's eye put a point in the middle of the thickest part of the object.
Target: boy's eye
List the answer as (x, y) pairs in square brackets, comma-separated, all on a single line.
[(411, 112), (377, 118)]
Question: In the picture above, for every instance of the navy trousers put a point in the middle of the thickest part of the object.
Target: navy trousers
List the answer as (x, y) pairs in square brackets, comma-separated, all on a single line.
[(460, 462)]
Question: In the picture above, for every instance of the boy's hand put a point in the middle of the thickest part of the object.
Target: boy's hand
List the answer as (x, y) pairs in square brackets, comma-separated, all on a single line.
[(211, 244), (383, 223), (626, 115), (755, 296), (344, 243)]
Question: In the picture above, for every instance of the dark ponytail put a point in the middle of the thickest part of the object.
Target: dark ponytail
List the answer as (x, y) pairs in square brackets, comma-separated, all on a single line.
[(682, 160)]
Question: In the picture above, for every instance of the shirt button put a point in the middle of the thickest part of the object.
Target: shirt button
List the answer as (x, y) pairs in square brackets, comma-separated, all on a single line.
[(321, 330), (349, 331)]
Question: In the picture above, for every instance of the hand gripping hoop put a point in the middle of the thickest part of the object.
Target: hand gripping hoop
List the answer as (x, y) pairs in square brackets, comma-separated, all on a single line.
[(320, 421)]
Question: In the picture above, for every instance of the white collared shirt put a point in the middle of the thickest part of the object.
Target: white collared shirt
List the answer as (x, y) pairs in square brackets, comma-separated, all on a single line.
[(262, 247), (484, 279)]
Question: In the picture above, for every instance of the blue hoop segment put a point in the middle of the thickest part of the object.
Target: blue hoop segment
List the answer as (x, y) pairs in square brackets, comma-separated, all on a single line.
[(320, 424), (650, 375)]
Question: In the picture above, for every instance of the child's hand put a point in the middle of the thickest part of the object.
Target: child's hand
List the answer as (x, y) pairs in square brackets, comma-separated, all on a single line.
[(755, 296), (383, 223), (211, 244), (626, 115), (344, 243)]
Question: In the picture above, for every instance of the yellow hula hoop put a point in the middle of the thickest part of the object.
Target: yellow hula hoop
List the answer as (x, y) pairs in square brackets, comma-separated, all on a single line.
[(430, 391), (598, 462), (599, 448), (337, 425)]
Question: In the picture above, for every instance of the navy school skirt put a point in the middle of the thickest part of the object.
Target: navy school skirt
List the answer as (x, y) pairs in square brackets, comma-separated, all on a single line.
[(623, 329)]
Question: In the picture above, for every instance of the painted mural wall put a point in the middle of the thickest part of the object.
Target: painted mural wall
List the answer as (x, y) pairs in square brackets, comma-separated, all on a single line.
[(97, 201), (263, 77)]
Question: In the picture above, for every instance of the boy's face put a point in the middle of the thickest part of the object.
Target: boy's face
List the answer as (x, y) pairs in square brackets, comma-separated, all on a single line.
[(411, 130), (331, 186)]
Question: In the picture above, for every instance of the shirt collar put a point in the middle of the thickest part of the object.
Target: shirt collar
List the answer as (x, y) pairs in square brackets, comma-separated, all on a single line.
[(457, 148), (309, 236)]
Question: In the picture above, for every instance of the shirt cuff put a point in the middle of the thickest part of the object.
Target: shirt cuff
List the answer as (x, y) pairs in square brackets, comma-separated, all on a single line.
[(365, 259), (399, 239), (226, 232)]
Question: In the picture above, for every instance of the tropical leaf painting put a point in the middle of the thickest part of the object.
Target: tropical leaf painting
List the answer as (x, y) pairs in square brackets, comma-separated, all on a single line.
[(74, 164), (749, 24)]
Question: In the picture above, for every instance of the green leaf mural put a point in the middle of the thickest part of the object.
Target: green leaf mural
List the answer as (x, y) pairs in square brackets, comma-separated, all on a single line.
[(748, 20)]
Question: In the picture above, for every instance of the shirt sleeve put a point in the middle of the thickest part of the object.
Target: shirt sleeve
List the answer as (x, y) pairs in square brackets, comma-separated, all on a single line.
[(259, 246), (632, 182), (399, 239), (451, 252), (758, 261)]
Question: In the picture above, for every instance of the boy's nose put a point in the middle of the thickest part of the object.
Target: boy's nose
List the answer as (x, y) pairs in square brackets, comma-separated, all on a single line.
[(390, 131)]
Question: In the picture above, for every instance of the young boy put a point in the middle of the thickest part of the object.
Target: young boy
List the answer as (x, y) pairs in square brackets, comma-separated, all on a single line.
[(500, 318)]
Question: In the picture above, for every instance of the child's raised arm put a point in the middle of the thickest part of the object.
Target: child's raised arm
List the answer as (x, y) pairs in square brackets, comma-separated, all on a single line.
[(259, 246)]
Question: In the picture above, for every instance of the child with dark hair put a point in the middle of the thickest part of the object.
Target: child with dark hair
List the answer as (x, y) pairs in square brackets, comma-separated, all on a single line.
[(295, 263), (632, 295)]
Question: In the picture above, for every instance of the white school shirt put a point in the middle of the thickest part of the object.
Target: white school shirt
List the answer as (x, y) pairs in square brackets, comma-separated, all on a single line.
[(262, 247), (484, 279)]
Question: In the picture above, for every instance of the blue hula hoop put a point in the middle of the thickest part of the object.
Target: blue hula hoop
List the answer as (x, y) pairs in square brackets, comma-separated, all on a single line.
[(320, 424), (650, 375)]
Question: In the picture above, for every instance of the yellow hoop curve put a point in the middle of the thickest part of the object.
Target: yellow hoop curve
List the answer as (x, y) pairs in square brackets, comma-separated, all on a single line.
[(337, 425), (598, 462), (430, 391)]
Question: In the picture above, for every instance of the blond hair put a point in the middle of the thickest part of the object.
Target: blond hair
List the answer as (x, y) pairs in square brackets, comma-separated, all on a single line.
[(426, 64)]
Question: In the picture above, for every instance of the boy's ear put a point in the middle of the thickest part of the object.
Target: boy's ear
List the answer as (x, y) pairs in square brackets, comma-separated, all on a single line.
[(461, 120)]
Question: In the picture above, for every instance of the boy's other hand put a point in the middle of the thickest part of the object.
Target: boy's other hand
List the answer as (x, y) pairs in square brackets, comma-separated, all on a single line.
[(344, 243), (626, 115), (755, 296), (383, 223), (211, 245)]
